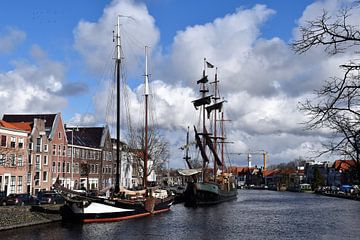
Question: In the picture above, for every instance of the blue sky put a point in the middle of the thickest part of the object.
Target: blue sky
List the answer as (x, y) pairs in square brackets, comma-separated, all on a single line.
[(52, 52)]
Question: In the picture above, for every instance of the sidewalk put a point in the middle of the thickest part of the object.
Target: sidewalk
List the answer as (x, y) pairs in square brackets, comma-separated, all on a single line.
[(22, 216)]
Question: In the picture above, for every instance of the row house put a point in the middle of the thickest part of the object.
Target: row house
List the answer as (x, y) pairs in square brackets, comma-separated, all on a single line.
[(91, 157), (13, 156), (37, 149), (46, 150), (130, 171)]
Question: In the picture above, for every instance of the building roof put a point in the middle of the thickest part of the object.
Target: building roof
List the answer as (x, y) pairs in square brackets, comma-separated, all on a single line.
[(50, 120), (86, 136), (22, 126), (343, 165)]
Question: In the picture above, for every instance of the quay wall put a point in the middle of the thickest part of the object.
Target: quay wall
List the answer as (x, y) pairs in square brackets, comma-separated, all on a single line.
[(12, 217)]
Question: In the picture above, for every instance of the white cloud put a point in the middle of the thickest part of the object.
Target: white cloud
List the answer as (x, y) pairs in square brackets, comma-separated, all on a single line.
[(11, 39), (33, 87), (93, 39), (262, 79)]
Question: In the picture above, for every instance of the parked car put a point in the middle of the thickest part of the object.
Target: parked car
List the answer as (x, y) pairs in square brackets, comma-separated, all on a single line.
[(20, 199), (49, 197)]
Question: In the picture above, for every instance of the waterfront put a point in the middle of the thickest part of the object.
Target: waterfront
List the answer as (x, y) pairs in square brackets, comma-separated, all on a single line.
[(256, 214)]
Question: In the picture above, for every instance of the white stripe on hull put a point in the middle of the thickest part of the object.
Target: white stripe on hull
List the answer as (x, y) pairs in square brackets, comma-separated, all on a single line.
[(97, 208)]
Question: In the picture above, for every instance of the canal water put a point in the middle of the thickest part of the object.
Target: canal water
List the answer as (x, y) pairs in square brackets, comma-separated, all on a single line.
[(256, 214)]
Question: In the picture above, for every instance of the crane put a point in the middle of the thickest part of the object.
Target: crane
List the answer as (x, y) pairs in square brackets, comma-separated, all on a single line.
[(260, 152)]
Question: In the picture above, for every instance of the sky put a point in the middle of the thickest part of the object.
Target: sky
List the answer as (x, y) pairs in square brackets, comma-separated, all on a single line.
[(57, 56)]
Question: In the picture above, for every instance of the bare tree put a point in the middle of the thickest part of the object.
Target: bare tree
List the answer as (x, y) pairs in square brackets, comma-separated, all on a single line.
[(158, 150), (337, 103)]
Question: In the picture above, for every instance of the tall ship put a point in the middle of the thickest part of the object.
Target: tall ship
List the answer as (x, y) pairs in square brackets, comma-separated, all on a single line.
[(206, 185), (120, 204)]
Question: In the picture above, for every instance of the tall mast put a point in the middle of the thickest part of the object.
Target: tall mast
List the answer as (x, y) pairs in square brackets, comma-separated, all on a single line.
[(215, 120), (118, 62), (146, 93), (203, 91), (222, 142), (187, 158)]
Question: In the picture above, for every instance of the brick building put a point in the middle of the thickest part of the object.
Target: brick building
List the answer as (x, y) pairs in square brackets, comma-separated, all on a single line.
[(46, 150), (13, 156)]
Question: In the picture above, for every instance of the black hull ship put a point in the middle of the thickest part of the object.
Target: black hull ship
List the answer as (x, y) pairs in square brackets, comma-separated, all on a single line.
[(220, 187), (122, 204), (209, 193), (87, 209)]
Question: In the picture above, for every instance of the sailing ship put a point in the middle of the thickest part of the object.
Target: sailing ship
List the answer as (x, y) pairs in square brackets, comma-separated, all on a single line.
[(207, 190), (122, 204)]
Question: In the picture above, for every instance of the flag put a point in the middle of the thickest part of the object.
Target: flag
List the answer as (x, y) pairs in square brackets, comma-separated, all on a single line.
[(209, 65)]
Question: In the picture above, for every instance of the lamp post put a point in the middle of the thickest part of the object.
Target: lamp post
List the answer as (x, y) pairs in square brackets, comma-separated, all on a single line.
[(72, 157)]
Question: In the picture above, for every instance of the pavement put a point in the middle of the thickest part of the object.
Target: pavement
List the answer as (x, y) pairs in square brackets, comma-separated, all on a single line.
[(12, 217)]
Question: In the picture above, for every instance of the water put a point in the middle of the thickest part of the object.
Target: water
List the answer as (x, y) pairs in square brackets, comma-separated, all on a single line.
[(256, 214)]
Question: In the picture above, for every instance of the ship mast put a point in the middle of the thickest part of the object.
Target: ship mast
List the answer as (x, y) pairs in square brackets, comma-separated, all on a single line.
[(118, 63), (187, 158), (146, 93), (215, 120), (203, 94)]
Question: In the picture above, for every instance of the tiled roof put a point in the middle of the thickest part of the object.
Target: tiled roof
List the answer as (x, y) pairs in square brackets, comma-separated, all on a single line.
[(86, 136), (49, 118), (343, 164), (24, 126)]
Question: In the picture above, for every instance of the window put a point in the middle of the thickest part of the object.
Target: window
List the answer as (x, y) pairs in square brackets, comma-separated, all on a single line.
[(37, 179), (69, 151), (54, 150), (68, 167), (3, 140), (20, 161), (63, 170), (38, 144), (30, 146), (96, 168), (53, 167), (12, 142), (59, 150), (30, 159), (76, 168), (45, 158), (21, 143), (46, 148), (45, 176), (38, 162), (2, 159), (59, 135), (20, 183), (12, 160), (64, 150), (59, 167), (12, 184)]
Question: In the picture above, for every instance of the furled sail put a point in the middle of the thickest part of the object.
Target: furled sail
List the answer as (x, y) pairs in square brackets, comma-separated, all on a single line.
[(212, 149), (203, 80), (201, 147), (215, 106), (201, 101)]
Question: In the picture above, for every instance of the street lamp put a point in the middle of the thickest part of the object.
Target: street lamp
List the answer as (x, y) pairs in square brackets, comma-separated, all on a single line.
[(72, 156)]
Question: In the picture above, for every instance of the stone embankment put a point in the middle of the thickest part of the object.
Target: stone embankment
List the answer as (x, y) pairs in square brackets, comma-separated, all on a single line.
[(22, 216)]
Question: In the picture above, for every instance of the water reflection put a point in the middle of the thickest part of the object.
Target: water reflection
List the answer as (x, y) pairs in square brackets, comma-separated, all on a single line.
[(254, 215)]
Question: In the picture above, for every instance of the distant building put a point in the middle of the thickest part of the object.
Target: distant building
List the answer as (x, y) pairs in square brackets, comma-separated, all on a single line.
[(310, 167), (13, 157), (90, 151), (128, 176), (46, 149)]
